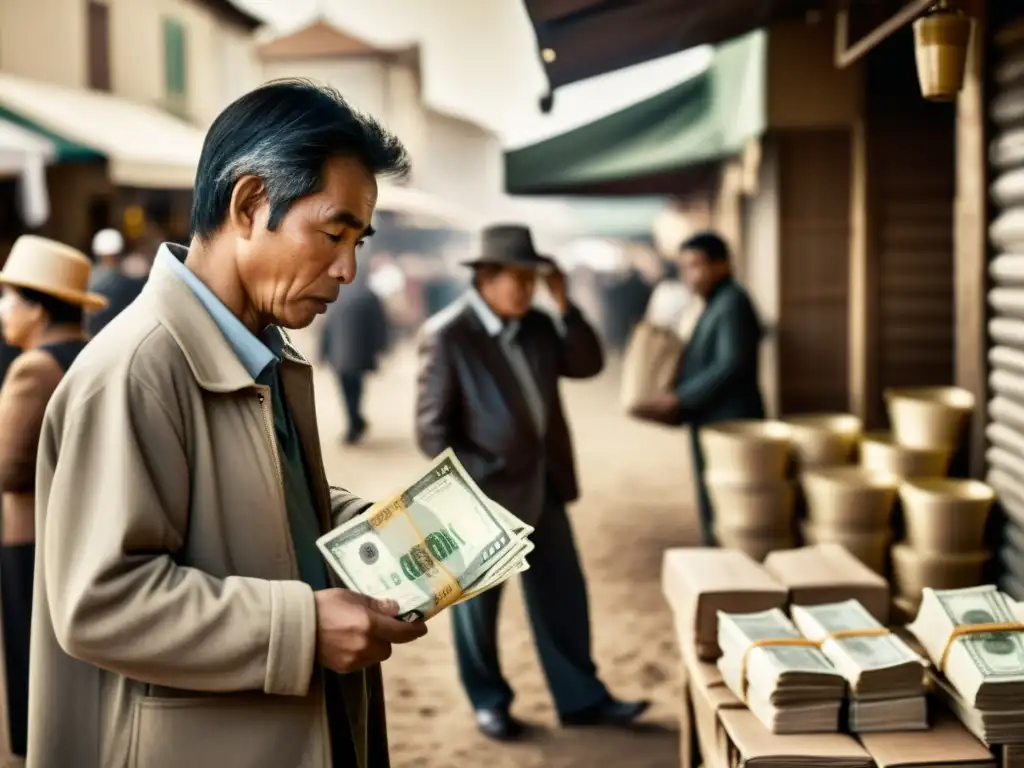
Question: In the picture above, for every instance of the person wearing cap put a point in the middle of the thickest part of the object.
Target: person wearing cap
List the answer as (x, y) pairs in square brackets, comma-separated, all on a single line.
[(488, 388), (109, 280), (44, 295), (183, 616)]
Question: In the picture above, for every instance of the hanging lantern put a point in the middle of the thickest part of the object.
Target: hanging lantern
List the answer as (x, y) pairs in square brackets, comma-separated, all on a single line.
[(941, 38)]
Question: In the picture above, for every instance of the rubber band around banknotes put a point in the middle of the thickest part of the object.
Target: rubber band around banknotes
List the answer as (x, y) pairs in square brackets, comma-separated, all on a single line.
[(452, 581), (965, 630), (769, 642), (849, 634)]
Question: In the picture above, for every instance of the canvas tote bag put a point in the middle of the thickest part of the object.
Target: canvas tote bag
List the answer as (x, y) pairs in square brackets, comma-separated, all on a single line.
[(653, 355)]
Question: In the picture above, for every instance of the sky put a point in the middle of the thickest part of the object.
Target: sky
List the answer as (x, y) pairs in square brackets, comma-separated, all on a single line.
[(480, 61)]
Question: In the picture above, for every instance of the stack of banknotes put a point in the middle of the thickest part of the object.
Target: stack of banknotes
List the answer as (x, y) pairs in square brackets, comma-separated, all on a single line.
[(784, 679), (979, 673), (433, 544), (886, 677)]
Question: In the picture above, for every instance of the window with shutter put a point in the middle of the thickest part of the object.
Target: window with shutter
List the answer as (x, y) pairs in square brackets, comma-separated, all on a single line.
[(99, 46), (175, 67)]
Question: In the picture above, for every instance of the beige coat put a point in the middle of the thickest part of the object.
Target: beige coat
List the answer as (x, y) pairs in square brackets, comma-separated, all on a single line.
[(170, 627)]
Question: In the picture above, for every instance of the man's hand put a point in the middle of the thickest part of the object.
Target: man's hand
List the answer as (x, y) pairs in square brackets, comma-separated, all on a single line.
[(354, 631), (662, 408), (557, 289)]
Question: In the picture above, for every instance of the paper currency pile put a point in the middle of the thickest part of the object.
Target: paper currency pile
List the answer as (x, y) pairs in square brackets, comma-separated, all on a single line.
[(436, 543), (784, 679), (886, 677), (980, 673)]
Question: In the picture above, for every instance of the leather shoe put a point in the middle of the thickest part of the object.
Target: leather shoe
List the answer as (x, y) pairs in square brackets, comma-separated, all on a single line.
[(498, 724), (609, 712)]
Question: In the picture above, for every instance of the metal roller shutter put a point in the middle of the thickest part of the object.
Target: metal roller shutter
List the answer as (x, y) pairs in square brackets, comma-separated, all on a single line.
[(1005, 430)]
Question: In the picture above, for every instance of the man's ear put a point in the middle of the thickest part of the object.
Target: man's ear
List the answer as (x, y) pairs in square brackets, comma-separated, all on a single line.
[(246, 198)]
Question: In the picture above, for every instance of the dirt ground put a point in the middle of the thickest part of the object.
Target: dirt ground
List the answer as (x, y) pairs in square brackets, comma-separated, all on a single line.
[(636, 502)]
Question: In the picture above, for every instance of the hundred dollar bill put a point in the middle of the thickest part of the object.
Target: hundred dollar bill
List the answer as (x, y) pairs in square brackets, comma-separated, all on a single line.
[(881, 665), (986, 668), (427, 545), (768, 666)]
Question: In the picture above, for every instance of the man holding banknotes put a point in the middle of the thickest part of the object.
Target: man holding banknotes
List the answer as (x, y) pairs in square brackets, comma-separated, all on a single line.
[(183, 614), (488, 389)]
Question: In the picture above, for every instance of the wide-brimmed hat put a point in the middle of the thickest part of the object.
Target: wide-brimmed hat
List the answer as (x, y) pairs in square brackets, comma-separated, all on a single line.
[(509, 245), (49, 267)]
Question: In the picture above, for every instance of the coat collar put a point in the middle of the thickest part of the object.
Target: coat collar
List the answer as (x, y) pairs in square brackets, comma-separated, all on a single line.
[(210, 356)]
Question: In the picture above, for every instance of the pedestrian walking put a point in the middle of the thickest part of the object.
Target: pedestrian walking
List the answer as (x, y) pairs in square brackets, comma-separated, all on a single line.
[(488, 387), (183, 614), (44, 294), (109, 280), (718, 379), (354, 335)]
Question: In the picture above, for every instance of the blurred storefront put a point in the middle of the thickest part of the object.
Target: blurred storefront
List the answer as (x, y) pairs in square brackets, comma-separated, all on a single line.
[(883, 234)]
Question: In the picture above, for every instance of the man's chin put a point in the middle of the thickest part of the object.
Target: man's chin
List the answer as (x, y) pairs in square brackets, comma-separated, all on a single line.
[(297, 322)]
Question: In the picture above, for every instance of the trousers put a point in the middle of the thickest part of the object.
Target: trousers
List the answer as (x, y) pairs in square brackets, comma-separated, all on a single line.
[(556, 601)]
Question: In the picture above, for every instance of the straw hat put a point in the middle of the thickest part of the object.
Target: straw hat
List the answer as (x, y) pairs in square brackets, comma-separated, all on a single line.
[(53, 268)]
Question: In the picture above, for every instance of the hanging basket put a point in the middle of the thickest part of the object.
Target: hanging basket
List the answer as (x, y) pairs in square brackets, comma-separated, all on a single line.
[(941, 37)]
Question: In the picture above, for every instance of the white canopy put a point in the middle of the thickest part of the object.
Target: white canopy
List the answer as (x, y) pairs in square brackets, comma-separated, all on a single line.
[(145, 146), (26, 154)]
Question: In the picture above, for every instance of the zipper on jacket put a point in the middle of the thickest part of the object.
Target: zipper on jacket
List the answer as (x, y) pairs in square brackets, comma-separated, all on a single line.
[(268, 424)]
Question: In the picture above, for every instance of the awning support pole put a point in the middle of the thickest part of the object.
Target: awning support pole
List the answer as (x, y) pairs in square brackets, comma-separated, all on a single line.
[(846, 54)]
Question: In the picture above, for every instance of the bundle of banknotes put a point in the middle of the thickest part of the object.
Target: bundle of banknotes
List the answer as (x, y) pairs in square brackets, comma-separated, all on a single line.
[(886, 677), (782, 677), (974, 640), (435, 543)]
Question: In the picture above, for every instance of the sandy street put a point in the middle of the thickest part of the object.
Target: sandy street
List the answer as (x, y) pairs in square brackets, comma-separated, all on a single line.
[(635, 503)]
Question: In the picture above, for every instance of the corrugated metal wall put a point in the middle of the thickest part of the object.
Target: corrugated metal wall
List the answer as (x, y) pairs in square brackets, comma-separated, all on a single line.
[(814, 264), (1005, 431), (912, 187)]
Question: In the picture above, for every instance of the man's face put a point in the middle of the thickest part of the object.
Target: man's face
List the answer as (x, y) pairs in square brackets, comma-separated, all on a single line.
[(508, 290), (698, 273), (292, 273)]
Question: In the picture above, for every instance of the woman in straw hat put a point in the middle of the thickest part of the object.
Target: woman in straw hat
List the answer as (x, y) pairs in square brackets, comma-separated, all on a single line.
[(41, 312)]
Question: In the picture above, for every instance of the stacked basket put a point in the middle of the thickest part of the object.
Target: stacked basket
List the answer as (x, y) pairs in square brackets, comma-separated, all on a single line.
[(944, 518), (845, 505), (746, 473)]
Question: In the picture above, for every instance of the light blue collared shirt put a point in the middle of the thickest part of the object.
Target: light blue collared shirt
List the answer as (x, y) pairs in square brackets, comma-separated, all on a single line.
[(259, 356)]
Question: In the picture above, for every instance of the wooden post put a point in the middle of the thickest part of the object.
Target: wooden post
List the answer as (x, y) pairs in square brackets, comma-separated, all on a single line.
[(971, 239), (863, 308)]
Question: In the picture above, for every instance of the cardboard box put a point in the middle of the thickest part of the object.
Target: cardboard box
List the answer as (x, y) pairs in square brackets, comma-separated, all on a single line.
[(827, 573), (698, 582), (728, 735), (947, 743)]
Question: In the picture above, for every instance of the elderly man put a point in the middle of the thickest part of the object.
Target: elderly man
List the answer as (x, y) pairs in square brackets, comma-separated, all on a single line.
[(488, 387), (182, 614)]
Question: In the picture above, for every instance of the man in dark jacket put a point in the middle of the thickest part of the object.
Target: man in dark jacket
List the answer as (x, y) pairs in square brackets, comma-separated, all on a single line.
[(718, 378), (488, 387), (109, 280), (355, 333)]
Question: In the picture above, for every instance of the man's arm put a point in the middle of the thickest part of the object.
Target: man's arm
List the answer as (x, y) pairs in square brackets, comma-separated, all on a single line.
[(436, 395), (581, 353), (113, 506), (736, 343), (346, 505)]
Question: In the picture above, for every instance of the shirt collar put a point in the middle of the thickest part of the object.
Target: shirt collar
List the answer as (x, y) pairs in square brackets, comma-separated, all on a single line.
[(493, 324), (257, 355)]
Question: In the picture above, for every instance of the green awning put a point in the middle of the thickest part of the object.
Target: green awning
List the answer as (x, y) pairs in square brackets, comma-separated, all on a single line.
[(65, 151), (661, 144)]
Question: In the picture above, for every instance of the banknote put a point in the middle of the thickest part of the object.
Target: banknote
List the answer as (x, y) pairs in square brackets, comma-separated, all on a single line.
[(985, 668), (851, 654), (429, 545)]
